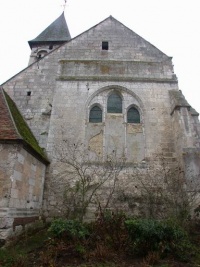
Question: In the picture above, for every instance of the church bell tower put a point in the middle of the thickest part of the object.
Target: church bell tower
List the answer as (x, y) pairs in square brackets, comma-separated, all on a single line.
[(53, 36)]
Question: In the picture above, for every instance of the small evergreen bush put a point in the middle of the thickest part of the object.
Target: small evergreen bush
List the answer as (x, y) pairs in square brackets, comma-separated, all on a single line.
[(70, 228), (163, 236)]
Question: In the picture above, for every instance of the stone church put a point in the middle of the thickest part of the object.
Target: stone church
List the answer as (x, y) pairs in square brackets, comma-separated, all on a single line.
[(108, 90)]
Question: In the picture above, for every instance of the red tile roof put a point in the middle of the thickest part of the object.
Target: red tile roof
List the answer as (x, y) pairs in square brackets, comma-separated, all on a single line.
[(13, 128), (8, 130)]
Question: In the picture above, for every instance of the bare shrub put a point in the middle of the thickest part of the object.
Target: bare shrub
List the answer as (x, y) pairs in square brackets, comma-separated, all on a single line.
[(165, 191), (81, 182)]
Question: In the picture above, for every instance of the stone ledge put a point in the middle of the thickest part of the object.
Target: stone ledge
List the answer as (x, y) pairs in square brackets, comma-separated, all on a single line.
[(13, 220), (14, 212), (113, 78)]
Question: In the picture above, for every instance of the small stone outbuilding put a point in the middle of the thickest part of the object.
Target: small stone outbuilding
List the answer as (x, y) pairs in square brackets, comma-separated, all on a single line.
[(22, 170)]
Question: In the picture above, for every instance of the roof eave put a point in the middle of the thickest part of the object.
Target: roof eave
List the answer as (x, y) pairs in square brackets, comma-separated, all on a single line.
[(33, 43), (27, 147), (34, 153)]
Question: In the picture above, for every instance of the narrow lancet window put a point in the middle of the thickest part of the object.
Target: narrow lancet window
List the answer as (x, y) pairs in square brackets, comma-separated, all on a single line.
[(133, 115), (95, 114), (114, 104)]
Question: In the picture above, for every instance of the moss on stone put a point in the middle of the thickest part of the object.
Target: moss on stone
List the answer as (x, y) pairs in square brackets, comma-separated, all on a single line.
[(23, 128)]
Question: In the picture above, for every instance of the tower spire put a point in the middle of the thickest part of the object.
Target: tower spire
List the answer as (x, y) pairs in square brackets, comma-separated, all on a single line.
[(54, 35)]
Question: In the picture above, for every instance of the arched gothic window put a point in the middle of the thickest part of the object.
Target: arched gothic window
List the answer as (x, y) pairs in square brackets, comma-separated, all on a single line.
[(114, 104), (95, 114), (133, 115)]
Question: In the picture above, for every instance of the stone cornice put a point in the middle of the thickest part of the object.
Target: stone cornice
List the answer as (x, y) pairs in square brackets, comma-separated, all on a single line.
[(116, 79)]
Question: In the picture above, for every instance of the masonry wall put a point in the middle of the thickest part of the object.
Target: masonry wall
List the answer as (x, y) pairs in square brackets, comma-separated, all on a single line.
[(77, 93), (186, 136), (70, 118), (146, 141), (21, 187), (39, 51), (129, 59), (139, 72), (32, 90)]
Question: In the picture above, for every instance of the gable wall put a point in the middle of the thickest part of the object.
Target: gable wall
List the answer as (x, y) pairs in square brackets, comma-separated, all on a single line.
[(86, 75), (130, 64), (123, 44)]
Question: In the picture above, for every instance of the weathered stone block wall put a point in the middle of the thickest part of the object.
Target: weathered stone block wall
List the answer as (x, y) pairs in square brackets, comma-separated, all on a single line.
[(38, 80), (186, 136), (105, 69), (39, 51), (142, 142), (22, 181), (181, 130), (72, 102), (123, 44), (8, 158)]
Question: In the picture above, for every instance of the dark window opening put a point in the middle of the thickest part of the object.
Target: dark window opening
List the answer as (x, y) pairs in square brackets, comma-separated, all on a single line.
[(29, 93), (41, 53), (104, 45), (133, 115), (95, 114), (114, 104), (50, 47)]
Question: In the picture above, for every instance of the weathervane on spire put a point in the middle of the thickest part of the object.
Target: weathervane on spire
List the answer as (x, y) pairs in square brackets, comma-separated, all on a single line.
[(64, 5)]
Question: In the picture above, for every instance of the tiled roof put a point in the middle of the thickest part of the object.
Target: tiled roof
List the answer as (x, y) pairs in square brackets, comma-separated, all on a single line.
[(13, 128), (56, 32), (8, 130)]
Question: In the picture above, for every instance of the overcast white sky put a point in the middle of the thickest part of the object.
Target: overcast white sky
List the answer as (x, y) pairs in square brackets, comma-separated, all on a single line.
[(173, 26)]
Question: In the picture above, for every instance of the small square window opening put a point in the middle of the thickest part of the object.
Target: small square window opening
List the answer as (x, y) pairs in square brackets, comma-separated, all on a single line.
[(104, 45), (29, 93)]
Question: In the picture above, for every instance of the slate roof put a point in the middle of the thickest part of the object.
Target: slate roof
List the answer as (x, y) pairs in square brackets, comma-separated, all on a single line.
[(57, 31), (7, 127), (13, 128)]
